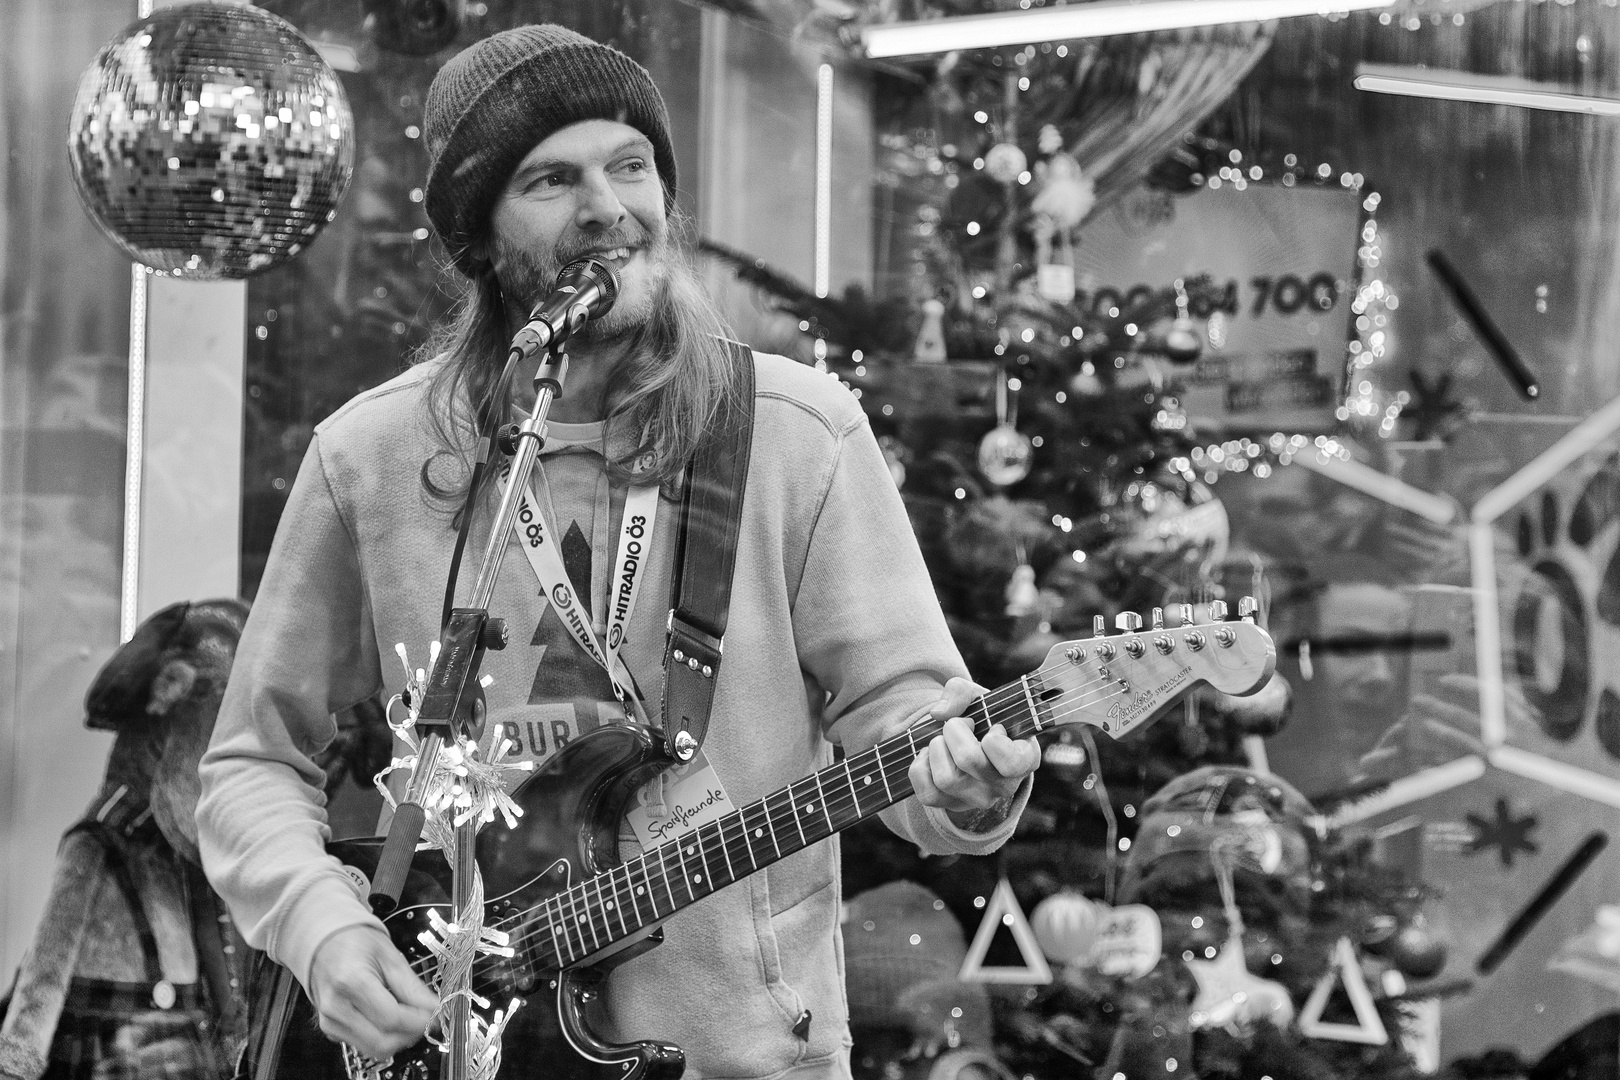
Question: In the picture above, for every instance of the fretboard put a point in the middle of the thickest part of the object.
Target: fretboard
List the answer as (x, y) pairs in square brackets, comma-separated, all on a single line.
[(616, 904)]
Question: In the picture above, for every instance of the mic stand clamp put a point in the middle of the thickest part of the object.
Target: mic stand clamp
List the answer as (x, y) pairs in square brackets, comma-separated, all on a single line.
[(452, 704)]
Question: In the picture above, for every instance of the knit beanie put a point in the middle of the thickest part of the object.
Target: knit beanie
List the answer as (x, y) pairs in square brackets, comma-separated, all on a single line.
[(497, 99)]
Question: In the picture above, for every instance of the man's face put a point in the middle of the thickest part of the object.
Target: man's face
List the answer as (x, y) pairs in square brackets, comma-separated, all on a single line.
[(1363, 684), (589, 189)]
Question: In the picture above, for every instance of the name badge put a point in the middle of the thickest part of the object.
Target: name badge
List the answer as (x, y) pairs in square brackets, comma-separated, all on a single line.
[(683, 798)]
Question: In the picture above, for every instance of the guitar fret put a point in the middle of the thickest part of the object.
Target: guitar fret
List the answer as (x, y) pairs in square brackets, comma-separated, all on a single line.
[(771, 825), (826, 811), (663, 869), (570, 931), (748, 841), (793, 804), (854, 792), (720, 827), (883, 772), (618, 905), (646, 889)]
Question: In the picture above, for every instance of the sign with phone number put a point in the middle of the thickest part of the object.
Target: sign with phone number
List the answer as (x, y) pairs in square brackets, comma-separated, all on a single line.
[(1275, 327)]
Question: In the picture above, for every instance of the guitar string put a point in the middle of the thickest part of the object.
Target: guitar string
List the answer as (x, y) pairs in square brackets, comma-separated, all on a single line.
[(548, 913), (998, 705), (544, 917)]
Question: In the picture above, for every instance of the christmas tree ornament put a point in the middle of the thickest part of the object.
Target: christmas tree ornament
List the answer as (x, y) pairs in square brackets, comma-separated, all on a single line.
[(1182, 345), (1005, 163), (1230, 997), (1417, 949), (1021, 592), (1005, 453), (210, 140), (1085, 383), (1004, 908), (1130, 941), (1369, 1027), (930, 347), (1065, 925)]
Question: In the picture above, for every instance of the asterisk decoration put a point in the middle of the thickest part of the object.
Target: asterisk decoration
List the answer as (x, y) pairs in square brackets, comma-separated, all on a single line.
[(1507, 833)]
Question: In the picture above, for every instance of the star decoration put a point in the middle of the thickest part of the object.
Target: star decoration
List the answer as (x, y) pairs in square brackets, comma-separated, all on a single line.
[(1230, 997), (1436, 413), (1507, 833)]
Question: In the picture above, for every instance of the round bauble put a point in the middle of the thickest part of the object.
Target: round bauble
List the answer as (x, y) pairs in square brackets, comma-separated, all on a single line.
[(1417, 950), (1065, 926), (1005, 163), (210, 140), (1182, 345), (1005, 455), (1264, 712)]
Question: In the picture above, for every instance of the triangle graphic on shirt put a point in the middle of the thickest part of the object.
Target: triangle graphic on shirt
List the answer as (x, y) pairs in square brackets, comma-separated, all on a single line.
[(1003, 908), (564, 673), (1368, 1028)]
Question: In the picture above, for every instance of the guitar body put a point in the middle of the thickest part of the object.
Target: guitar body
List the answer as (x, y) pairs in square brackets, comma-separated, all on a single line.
[(572, 806)]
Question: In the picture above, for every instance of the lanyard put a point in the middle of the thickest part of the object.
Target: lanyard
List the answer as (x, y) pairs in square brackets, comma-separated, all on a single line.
[(635, 547)]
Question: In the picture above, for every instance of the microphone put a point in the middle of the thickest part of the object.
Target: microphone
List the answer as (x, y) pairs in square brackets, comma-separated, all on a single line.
[(585, 290)]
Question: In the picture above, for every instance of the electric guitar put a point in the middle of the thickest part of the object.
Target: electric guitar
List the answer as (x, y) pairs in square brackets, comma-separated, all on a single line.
[(574, 909)]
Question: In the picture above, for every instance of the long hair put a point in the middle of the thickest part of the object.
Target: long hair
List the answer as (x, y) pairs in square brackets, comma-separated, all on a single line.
[(676, 376)]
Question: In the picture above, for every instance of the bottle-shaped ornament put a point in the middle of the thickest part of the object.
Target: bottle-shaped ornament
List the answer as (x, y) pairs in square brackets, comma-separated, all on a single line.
[(1005, 453), (931, 338)]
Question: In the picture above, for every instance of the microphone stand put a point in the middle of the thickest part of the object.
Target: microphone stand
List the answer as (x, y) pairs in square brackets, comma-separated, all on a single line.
[(453, 697)]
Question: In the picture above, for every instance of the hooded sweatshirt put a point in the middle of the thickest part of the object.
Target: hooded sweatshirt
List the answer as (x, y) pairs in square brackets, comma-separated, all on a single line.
[(835, 637)]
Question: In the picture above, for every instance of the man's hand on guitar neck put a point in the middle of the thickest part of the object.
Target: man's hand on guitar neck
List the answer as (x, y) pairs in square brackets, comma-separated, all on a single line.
[(973, 781), (366, 993)]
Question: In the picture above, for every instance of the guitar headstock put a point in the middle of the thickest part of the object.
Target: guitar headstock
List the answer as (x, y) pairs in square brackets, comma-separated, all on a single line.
[(1120, 681)]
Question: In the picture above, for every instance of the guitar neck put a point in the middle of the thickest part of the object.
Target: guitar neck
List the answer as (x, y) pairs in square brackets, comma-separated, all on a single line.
[(618, 903), (1116, 682)]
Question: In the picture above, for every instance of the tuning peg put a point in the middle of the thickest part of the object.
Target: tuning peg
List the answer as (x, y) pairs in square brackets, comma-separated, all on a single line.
[(1247, 606), (1186, 614), (1158, 618), (1099, 626), (1129, 622), (1217, 610)]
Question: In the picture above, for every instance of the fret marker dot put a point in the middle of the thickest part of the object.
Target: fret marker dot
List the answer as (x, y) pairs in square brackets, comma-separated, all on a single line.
[(690, 850), (581, 918), (610, 905), (810, 808), (866, 780), (640, 890), (697, 877), (758, 833)]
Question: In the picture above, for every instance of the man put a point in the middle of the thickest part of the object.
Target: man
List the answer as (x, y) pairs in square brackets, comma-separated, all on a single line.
[(545, 147)]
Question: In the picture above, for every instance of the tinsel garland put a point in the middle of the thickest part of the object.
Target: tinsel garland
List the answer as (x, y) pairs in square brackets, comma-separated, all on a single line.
[(462, 788)]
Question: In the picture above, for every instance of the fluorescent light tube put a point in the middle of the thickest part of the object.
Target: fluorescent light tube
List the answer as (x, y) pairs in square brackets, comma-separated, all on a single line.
[(1484, 89), (1098, 18)]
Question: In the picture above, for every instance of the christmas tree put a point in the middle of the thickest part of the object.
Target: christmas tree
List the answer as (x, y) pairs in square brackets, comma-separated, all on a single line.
[(1189, 914)]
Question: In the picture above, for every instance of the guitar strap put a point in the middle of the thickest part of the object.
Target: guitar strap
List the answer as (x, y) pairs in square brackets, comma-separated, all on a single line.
[(705, 556)]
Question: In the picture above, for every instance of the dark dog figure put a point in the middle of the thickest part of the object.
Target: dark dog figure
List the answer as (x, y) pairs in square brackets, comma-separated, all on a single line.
[(136, 970)]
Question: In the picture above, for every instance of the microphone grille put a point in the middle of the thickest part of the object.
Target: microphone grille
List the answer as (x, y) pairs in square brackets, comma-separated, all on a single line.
[(593, 271)]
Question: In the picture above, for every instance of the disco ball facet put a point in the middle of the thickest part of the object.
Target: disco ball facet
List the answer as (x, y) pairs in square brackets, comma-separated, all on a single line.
[(210, 140)]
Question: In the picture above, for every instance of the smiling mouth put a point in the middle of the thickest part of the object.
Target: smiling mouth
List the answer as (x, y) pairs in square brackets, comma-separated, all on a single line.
[(616, 257)]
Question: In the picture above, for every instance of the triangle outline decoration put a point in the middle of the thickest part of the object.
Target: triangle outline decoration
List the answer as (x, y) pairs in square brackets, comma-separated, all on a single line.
[(1369, 1030), (1003, 905)]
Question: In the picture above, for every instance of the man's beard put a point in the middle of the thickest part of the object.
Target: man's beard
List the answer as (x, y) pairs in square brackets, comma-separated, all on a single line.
[(527, 277)]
